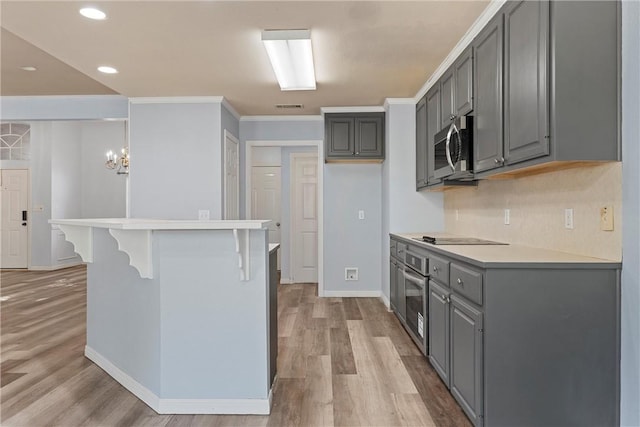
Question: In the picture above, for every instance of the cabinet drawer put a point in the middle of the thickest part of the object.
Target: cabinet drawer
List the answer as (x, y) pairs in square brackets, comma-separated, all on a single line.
[(439, 269), (393, 248), (467, 282), (400, 250)]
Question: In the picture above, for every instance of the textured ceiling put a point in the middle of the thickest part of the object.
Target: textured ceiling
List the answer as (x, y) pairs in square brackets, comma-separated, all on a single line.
[(364, 51)]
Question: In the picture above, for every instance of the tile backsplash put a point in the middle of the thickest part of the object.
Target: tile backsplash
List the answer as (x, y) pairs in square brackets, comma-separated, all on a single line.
[(537, 210)]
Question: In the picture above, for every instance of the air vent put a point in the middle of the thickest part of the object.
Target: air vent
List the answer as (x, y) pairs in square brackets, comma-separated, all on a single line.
[(290, 106)]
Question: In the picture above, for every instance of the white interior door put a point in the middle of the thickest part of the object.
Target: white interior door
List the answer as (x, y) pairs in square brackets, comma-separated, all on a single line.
[(14, 201), (231, 177), (265, 199), (304, 217)]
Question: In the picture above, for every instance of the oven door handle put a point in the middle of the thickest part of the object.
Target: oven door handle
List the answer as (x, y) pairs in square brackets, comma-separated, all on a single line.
[(452, 128), (420, 281)]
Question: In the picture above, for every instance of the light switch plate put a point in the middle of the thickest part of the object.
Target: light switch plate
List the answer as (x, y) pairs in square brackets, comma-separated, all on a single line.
[(606, 218), (568, 219), (507, 216), (360, 214), (203, 215)]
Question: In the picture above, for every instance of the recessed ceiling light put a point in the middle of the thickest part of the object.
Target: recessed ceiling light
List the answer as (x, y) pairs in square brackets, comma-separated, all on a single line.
[(28, 68), (93, 13), (107, 70)]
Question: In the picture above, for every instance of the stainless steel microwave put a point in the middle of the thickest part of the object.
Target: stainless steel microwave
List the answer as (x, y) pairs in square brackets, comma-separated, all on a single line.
[(453, 150)]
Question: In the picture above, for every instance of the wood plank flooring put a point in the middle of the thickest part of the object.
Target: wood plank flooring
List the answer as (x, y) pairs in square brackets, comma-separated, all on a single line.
[(342, 362)]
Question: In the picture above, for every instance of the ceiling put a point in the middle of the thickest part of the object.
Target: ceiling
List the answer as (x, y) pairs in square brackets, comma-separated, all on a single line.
[(364, 51)]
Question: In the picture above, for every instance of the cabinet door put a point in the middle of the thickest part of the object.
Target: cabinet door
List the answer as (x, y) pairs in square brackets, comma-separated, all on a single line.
[(446, 98), (433, 126), (369, 137), (526, 130), (400, 293), (487, 85), (466, 358), (463, 77), (393, 285), (439, 330), (339, 135), (421, 144)]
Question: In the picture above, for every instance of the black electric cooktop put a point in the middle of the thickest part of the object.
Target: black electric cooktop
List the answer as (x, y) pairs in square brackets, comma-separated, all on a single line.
[(456, 241)]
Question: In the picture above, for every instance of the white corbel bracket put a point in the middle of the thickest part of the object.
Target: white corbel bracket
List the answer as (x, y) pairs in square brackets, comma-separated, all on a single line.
[(137, 245), (242, 248), (81, 238)]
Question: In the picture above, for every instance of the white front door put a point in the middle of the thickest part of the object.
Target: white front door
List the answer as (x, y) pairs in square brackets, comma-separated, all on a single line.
[(304, 217), (14, 201), (265, 199), (231, 177)]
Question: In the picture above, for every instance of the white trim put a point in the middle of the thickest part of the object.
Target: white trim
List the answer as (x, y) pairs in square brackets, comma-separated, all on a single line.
[(140, 391), (464, 42), (180, 406), (230, 108), (232, 137), (363, 109), (177, 100), (286, 281), (398, 101), (319, 144), (53, 267), (300, 118), (349, 294), (385, 301)]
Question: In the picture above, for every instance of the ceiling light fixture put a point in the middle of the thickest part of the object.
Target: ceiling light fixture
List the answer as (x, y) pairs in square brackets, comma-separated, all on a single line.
[(107, 70), (291, 58), (28, 68), (93, 13)]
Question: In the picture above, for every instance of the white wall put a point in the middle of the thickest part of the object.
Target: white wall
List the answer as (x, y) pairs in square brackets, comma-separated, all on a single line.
[(404, 209), (103, 192), (630, 319), (176, 160)]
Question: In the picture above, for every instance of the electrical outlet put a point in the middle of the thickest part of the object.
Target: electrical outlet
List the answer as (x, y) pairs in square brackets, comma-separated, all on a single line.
[(606, 218), (568, 219), (360, 214), (507, 216), (203, 215), (351, 273)]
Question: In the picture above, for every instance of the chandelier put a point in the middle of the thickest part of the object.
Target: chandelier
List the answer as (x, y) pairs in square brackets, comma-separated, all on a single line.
[(119, 163)]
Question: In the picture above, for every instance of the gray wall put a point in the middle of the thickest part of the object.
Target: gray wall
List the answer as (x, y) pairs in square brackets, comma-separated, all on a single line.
[(630, 369), (348, 241), (404, 209), (285, 217), (83, 107), (176, 160), (41, 193)]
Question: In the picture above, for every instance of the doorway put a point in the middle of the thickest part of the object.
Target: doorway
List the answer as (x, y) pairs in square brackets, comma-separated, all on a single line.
[(14, 207), (313, 254)]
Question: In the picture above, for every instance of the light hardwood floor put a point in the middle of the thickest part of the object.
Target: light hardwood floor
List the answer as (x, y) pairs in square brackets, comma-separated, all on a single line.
[(342, 362)]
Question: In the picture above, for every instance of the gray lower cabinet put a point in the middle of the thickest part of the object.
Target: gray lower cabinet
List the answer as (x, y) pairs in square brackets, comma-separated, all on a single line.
[(421, 144), (466, 357), (273, 315), (400, 293), (393, 284), (354, 136), (487, 125), (439, 330)]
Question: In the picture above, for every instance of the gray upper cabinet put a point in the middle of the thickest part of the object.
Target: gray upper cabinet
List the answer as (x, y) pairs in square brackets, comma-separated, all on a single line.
[(463, 77), (421, 143), (487, 61), (357, 136), (526, 106), (447, 110), (433, 126), (466, 358)]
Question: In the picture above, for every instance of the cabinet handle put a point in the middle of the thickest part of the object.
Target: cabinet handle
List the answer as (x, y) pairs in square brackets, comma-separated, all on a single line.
[(435, 268), (444, 298), (499, 160), (460, 282), (357, 153)]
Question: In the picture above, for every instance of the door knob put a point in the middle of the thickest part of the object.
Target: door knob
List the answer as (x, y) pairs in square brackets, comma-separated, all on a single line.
[(24, 224), (277, 224)]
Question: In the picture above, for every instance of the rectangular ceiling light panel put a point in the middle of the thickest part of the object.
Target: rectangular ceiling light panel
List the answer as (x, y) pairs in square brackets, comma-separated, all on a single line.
[(291, 58)]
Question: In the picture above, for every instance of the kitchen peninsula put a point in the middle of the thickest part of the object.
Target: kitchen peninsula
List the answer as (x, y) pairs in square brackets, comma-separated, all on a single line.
[(182, 313)]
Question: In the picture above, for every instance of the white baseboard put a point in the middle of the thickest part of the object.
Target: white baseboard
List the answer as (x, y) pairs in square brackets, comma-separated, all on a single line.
[(284, 281), (54, 267), (181, 406), (348, 294), (385, 301)]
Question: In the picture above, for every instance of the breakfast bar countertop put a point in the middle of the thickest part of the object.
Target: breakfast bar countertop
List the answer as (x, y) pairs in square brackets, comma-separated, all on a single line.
[(508, 256)]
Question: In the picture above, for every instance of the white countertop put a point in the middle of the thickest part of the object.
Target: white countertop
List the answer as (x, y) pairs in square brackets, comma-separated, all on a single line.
[(162, 224), (502, 255), (273, 246)]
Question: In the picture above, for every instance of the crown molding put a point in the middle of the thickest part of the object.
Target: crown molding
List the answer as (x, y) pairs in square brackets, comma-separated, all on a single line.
[(178, 100), (363, 109), (398, 101), (296, 118), (230, 108), (464, 42)]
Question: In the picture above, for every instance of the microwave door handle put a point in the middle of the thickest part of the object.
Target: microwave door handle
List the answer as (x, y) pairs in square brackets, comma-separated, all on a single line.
[(447, 151)]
